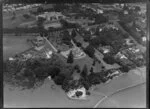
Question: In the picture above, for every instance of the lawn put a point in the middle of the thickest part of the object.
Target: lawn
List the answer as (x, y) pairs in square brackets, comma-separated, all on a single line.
[(14, 44), (44, 96), (9, 23)]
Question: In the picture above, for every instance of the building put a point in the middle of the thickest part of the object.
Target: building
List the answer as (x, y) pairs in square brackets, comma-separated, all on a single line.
[(51, 16)]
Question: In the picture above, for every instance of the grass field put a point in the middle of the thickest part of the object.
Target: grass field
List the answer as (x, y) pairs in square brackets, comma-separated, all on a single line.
[(14, 44)]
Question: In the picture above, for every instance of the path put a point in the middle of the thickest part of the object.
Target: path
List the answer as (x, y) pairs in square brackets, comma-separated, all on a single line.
[(51, 44), (116, 92)]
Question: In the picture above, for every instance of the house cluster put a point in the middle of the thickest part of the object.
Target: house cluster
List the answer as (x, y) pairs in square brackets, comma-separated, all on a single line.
[(130, 56)]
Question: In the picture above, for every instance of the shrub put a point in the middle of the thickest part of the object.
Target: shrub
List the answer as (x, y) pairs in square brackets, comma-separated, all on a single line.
[(79, 93), (78, 44), (27, 16), (89, 50), (109, 60), (124, 69), (59, 79)]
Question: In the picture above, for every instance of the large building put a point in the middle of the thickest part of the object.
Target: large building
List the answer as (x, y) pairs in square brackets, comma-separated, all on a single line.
[(51, 16)]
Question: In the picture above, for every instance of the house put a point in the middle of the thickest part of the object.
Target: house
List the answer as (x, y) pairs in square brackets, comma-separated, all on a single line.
[(129, 42), (51, 16), (144, 38), (105, 49), (99, 11), (126, 12), (47, 25)]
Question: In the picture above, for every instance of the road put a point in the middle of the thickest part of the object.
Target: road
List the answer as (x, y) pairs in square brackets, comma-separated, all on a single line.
[(132, 97)]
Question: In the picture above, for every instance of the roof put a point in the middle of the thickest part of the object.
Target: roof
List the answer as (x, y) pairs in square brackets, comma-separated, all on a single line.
[(51, 14)]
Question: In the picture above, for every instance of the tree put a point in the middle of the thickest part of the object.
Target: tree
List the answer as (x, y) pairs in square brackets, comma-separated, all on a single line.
[(78, 44), (79, 93), (40, 9), (53, 72), (77, 67), (31, 73), (95, 42), (70, 57), (66, 38), (89, 50), (124, 69), (94, 62), (84, 72), (73, 34), (66, 84), (100, 19), (27, 16), (125, 35), (94, 79), (109, 60), (91, 70), (59, 79), (137, 9), (60, 6)]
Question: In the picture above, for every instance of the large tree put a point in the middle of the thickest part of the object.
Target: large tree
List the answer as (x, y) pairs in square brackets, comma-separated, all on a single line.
[(73, 34), (84, 72), (32, 72), (40, 9), (100, 19), (90, 51), (109, 59), (70, 57)]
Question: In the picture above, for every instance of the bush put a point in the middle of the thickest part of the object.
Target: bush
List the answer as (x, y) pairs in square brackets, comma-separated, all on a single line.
[(77, 67), (94, 79), (40, 9), (78, 44), (85, 83), (89, 50), (79, 93), (59, 79), (124, 69), (27, 74), (88, 93), (109, 60), (27, 16)]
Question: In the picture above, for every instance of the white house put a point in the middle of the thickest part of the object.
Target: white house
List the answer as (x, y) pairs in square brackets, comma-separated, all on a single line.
[(52, 16)]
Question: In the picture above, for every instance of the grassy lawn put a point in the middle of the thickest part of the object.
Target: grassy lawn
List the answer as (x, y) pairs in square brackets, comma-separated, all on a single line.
[(9, 23), (14, 44), (45, 96)]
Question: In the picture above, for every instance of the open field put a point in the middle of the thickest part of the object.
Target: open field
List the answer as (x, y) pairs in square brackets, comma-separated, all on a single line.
[(14, 44), (44, 96), (131, 98)]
